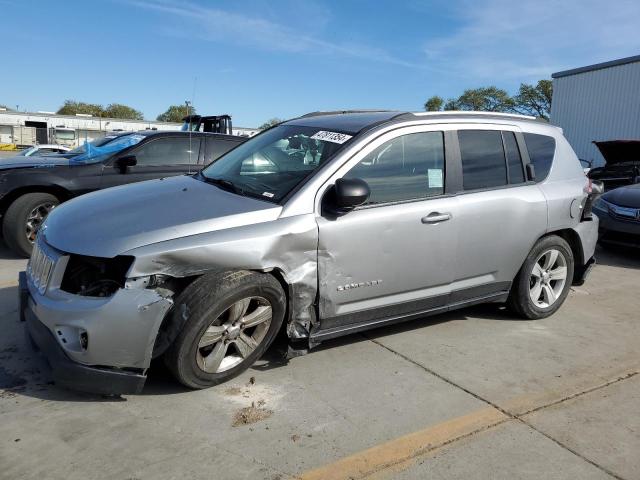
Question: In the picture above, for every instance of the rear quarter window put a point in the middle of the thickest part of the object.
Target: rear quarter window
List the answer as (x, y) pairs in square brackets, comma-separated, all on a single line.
[(541, 150)]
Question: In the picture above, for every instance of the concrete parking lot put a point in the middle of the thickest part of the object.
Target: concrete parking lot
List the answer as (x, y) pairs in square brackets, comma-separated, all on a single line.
[(471, 394)]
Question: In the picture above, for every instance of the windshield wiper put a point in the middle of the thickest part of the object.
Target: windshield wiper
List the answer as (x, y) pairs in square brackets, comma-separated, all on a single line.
[(222, 183)]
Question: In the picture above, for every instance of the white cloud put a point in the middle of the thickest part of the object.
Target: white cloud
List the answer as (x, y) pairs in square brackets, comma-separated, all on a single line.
[(506, 40), (215, 24)]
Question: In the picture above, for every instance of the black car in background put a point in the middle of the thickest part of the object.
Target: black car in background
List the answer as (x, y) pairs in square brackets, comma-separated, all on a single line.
[(622, 167), (619, 214), (31, 187)]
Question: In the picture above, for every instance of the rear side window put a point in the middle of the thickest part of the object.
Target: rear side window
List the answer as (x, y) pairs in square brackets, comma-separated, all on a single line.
[(514, 160), (483, 161), (409, 167), (217, 147), (541, 149)]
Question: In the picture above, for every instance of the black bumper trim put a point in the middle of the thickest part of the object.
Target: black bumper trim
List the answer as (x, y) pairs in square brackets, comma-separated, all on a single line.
[(581, 273), (77, 376)]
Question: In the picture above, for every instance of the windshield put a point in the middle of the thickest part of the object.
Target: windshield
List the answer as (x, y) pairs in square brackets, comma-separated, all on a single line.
[(96, 143), (272, 164), (27, 152), (95, 154)]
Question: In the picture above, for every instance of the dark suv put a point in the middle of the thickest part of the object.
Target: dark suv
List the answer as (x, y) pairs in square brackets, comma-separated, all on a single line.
[(31, 187)]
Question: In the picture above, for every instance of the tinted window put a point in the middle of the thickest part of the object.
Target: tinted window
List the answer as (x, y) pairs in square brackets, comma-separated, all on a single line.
[(541, 149), (169, 151), (514, 161), (217, 147), (405, 168), (483, 162)]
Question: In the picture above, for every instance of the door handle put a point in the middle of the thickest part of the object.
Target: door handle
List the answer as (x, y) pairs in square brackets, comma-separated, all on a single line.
[(436, 217)]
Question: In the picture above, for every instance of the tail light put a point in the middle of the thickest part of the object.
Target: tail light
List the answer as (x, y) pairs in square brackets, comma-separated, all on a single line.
[(593, 189)]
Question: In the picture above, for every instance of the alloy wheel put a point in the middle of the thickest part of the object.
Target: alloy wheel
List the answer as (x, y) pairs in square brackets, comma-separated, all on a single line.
[(35, 219), (548, 278), (234, 335)]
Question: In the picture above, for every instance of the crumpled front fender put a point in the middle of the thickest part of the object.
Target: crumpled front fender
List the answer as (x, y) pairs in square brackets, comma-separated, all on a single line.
[(288, 245)]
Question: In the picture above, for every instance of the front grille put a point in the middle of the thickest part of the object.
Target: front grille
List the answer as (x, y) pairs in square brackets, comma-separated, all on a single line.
[(40, 267)]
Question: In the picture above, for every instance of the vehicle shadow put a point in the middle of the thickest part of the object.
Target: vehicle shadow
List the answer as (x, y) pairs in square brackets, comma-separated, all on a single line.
[(6, 254), (25, 373), (618, 256)]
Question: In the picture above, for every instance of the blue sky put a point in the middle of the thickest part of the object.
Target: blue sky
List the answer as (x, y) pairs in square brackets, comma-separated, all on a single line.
[(282, 58)]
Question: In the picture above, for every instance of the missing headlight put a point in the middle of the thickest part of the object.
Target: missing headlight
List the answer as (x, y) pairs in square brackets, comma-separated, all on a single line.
[(94, 276)]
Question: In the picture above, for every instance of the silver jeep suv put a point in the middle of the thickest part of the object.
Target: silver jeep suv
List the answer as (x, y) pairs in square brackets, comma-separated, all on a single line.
[(325, 225)]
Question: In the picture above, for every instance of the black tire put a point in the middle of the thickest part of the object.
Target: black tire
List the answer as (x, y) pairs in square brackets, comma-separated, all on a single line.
[(14, 223), (202, 302), (519, 300)]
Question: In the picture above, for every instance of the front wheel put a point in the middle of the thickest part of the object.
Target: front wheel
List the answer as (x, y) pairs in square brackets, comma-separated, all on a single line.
[(24, 218), (543, 282), (231, 319)]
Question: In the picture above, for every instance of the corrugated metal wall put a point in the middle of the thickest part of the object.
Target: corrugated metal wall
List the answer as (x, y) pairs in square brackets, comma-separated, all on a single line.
[(598, 105)]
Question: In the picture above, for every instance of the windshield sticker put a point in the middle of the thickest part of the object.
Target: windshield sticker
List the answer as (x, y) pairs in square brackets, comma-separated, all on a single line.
[(333, 137), (268, 194), (435, 177)]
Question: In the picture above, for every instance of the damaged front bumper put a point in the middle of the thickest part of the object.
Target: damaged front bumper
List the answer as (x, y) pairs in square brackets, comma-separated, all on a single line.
[(98, 345)]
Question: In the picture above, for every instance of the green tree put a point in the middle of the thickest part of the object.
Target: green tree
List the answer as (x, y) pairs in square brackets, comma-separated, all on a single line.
[(452, 104), (434, 104), (270, 123), (487, 99), (535, 99), (175, 113), (117, 110), (71, 107)]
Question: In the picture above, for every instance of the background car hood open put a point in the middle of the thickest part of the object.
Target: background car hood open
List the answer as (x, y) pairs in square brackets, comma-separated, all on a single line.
[(624, 196), (112, 221), (617, 151)]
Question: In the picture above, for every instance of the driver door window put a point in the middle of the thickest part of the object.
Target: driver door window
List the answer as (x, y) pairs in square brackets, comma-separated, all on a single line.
[(409, 167)]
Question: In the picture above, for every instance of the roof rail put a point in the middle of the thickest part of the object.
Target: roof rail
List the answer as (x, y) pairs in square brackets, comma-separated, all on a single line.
[(474, 113), (343, 112)]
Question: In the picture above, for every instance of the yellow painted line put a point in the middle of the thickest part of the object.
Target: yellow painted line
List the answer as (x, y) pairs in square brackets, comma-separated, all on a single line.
[(402, 449)]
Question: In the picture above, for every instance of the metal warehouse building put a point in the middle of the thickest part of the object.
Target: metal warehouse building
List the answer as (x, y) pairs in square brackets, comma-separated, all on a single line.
[(598, 102)]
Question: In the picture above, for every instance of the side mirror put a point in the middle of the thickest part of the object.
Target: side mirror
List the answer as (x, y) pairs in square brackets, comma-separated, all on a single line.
[(345, 195), (123, 163), (531, 172)]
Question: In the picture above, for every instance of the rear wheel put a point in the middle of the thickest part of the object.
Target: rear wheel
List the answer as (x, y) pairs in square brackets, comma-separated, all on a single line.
[(544, 280), (24, 218), (232, 319)]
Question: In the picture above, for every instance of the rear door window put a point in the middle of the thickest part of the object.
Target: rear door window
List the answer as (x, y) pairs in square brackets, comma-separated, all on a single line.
[(541, 150), (217, 147), (483, 160)]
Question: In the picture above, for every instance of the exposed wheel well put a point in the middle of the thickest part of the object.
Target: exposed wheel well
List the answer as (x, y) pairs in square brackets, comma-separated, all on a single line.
[(167, 332)]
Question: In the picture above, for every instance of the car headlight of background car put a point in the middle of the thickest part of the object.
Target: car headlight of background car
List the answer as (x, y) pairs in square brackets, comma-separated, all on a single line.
[(602, 204)]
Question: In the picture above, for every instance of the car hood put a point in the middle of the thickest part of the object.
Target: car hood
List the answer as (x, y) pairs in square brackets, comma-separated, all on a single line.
[(628, 196), (618, 151), (112, 221), (33, 161)]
